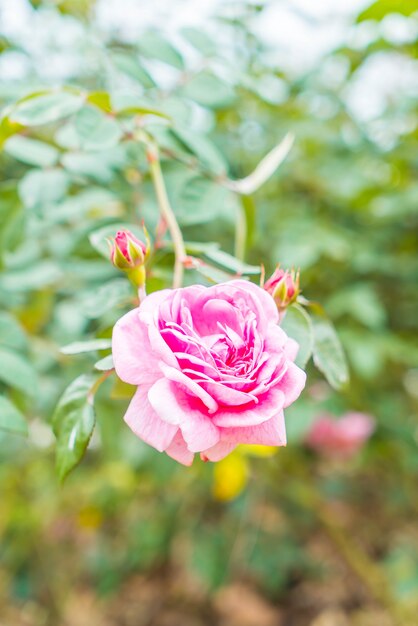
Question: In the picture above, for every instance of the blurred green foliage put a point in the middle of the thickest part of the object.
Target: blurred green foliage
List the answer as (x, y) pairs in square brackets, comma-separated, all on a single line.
[(342, 207)]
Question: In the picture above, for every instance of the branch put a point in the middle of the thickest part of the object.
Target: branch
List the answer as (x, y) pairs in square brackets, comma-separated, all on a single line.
[(167, 214)]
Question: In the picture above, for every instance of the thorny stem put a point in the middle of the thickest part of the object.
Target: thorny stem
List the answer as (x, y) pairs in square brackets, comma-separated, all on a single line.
[(167, 215)]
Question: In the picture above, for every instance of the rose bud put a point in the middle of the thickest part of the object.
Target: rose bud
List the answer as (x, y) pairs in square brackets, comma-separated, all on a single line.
[(129, 255), (283, 286), (341, 438)]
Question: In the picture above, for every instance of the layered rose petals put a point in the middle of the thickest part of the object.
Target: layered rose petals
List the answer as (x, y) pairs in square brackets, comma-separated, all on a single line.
[(213, 370)]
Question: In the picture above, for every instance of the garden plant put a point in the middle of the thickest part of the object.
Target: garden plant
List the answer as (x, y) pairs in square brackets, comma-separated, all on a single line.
[(208, 358)]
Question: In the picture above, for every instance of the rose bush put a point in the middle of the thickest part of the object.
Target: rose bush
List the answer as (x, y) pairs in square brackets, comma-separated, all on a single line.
[(213, 369)]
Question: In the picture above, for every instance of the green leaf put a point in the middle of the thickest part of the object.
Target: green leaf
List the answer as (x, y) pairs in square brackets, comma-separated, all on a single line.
[(100, 99), (154, 46), (8, 129), (95, 130), (11, 419), (77, 347), (361, 302), (196, 199), (132, 68), (297, 324), (203, 148), (213, 274), (12, 218), (99, 165), (209, 90), (46, 108), (12, 334), (199, 40), (105, 364), (230, 263), (39, 189), (379, 9), (211, 252), (328, 354), (73, 423), (141, 110), (31, 151), (104, 298), (37, 276), (16, 372), (91, 201)]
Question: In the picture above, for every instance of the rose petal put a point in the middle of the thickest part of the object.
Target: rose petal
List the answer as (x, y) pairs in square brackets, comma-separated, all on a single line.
[(291, 349), (292, 383), (218, 452), (175, 406), (179, 451), (260, 297), (227, 396), (275, 339), (216, 312), (160, 348), (133, 357), (269, 433), (151, 303), (191, 386), (268, 406), (145, 423)]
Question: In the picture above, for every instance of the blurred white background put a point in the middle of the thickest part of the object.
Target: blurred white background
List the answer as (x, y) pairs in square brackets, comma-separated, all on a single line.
[(298, 34)]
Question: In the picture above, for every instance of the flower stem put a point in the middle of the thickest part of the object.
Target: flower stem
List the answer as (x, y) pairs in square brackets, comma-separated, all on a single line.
[(240, 233), (94, 388), (168, 215)]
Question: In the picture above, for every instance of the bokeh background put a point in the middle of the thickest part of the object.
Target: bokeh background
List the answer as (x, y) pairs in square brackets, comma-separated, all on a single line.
[(301, 537)]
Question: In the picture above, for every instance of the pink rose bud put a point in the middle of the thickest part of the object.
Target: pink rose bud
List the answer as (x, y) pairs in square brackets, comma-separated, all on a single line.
[(129, 255), (283, 286), (341, 438)]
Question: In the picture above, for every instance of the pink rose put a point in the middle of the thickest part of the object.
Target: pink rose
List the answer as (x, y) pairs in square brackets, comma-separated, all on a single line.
[(343, 437), (213, 370)]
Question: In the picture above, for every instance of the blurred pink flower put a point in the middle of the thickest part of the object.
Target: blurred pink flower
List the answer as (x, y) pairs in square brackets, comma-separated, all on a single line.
[(340, 438), (213, 370)]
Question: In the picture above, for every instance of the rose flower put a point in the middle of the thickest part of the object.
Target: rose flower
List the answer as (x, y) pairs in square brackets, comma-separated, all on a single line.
[(212, 367)]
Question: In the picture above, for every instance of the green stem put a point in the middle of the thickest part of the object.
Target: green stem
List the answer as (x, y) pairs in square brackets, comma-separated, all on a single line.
[(94, 388), (168, 215), (240, 233), (245, 226)]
